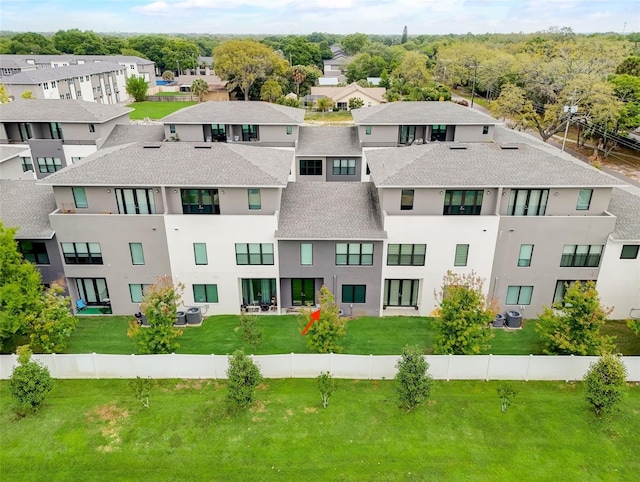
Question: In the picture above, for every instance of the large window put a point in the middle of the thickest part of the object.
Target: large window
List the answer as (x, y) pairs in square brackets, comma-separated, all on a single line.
[(258, 290), (406, 254), (306, 254), (401, 292), (254, 199), (200, 253), (561, 288), (310, 167), (407, 134), (528, 202), (249, 132), (218, 132), (354, 293), (137, 253), (344, 167), (56, 130), (581, 255), (205, 293), (463, 202), (519, 295), (93, 290), (135, 201), (254, 253), (629, 251), (526, 253), (80, 197), (34, 251), (200, 201), (137, 292), (26, 132), (462, 253), (49, 164), (406, 199), (82, 253), (354, 254), (27, 164), (439, 132), (584, 199)]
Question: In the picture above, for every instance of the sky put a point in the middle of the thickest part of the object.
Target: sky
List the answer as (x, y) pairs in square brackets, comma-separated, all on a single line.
[(333, 16)]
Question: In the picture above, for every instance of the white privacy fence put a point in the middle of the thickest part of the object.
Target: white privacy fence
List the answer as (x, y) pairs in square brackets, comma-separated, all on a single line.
[(442, 367)]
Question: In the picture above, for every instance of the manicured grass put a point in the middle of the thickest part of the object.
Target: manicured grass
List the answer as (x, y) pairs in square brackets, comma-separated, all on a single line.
[(171, 94), (156, 110), (342, 116), (95, 430)]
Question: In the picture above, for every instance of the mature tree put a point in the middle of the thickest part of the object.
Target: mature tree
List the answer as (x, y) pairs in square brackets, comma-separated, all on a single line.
[(303, 77), (326, 385), (405, 35), (137, 88), (288, 101), (413, 382), (630, 66), (324, 104), (29, 383), (74, 41), (4, 96), (606, 383), (200, 88), (298, 75), (297, 50), (27, 94), (355, 103), (572, 326), (413, 69), (114, 44), (159, 305), (180, 54), (270, 90), (353, 43), (151, 46), (326, 334), (54, 323), (31, 43), (365, 65), (464, 316), (168, 75), (243, 62), (133, 53), (243, 378)]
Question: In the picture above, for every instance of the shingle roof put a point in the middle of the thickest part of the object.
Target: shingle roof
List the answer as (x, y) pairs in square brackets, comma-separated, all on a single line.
[(38, 76), (27, 205), (179, 164), (58, 110), (128, 133), (328, 141), (237, 113), (9, 152), (308, 211), (420, 113), (625, 205), (340, 92), (480, 165), (71, 58)]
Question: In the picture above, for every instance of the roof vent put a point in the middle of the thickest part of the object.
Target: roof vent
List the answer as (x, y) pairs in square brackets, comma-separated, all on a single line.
[(457, 148), (151, 146), (202, 146), (507, 147)]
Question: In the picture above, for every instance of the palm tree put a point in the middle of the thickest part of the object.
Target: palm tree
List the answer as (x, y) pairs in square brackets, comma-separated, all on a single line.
[(199, 87)]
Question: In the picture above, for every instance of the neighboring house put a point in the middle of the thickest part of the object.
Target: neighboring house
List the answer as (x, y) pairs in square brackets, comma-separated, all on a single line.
[(16, 163), (217, 87), (340, 96), (337, 65), (57, 133)]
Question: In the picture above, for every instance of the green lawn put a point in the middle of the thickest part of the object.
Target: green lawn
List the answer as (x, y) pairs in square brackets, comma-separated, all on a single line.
[(94, 430), (156, 110), (366, 335), (342, 116), (171, 94)]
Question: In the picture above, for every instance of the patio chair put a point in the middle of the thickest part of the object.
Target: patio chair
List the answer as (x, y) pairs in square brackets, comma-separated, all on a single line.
[(80, 304)]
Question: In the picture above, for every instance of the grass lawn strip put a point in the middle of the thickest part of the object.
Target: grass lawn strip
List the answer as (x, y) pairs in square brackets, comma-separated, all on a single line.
[(155, 110)]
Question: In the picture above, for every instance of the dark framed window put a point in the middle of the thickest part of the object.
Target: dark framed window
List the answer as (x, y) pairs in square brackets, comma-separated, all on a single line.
[(462, 255), (406, 254), (584, 199), (525, 255), (56, 130), (561, 288), (137, 253), (205, 293), (200, 253), (26, 132), (93, 290), (34, 251), (354, 293), (80, 197), (519, 295), (463, 202), (92, 128), (401, 292), (358, 254), (137, 292), (629, 251), (200, 201), (439, 132), (485, 129), (406, 199), (528, 202), (306, 254), (254, 199), (310, 167), (49, 164), (289, 130), (82, 253), (367, 130), (172, 128), (135, 201), (344, 167), (579, 255), (27, 164), (219, 132), (407, 134), (249, 132), (258, 290), (254, 253)]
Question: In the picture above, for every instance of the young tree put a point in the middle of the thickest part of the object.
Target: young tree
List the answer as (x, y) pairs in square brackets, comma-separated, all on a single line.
[(326, 385), (464, 316), (270, 90), (4, 96), (324, 104), (160, 307), (506, 393), (141, 388), (326, 334), (243, 378), (137, 88), (250, 331), (168, 75), (30, 382), (572, 327), (606, 383), (355, 103), (54, 323), (200, 88), (27, 94), (413, 382)]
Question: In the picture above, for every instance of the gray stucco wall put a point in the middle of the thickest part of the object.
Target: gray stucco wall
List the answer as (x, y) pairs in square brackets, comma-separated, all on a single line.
[(268, 135), (472, 134), (428, 202), (232, 200), (100, 200), (564, 202), (343, 178), (46, 148)]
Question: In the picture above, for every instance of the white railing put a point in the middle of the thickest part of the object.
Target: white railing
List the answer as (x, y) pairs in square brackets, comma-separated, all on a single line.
[(442, 367)]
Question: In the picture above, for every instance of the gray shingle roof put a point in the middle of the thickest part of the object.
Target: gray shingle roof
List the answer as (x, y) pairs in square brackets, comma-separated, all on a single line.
[(179, 164), (128, 133), (625, 205), (328, 141), (480, 165), (58, 110), (330, 210), (27, 205), (73, 59), (9, 152), (237, 113), (420, 113), (58, 73)]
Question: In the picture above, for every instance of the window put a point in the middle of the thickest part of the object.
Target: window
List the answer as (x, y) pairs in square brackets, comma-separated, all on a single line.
[(584, 199), (200, 201), (629, 251), (172, 128), (401, 292), (310, 167), (93, 290), (519, 295), (53, 83), (524, 258), (439, 132), (34, 251), (27, 164), (485, 130), (406, 200), (406, 254), (561, 288), (289, 130), (75, 159), (26, 132), (46, 86), (462, 253), (249, 132), (354, 293), (205, 293), (56, 130), (80, 197), (137, 254), (528, 202), (581, 255), (407, 134), (92, 128), (254, 199), (306, 254), (82, 253), (49, 164), (137, 292), (344, 167), (200, 253), (135, 201), (354, 254), (258, 290), (254, 253), (218, 132), (367, 130), (463, 202)]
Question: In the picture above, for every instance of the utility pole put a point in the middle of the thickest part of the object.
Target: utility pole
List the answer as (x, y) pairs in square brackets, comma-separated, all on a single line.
[(473, 88), (178, 62), (570, 109)]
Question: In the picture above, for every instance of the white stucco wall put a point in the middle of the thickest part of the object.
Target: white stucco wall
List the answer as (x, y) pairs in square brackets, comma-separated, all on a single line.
[(619, 281)]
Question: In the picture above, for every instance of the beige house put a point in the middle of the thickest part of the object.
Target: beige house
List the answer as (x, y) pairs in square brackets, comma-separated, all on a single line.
[(341, 95)]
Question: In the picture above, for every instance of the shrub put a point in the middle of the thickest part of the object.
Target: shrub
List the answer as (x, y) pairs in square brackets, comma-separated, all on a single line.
[(326, 385), (506, 393), (30, 382), (413, 382), (605, 383), (141, 388), (326, 334), (243, 378), (250, 331)]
